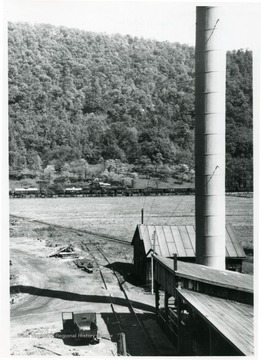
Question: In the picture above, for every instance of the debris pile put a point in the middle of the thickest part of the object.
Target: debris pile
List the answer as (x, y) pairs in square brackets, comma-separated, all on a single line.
[(14, 222), (64, 252), (85, 265)]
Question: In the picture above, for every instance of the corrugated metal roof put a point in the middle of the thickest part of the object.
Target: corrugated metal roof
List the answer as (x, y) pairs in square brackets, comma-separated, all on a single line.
[(234, 320), (169, 239), (224, 278)]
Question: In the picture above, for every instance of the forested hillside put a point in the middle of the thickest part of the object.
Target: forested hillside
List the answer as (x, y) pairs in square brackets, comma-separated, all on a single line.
[(78, 98)]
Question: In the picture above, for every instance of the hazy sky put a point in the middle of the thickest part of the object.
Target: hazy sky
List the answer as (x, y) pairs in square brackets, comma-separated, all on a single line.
[(161, 20)]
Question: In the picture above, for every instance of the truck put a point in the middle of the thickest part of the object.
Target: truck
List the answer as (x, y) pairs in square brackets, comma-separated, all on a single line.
[(81, 326)]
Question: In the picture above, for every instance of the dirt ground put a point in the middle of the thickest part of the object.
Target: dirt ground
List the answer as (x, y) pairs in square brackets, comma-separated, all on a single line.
[(43, 287)]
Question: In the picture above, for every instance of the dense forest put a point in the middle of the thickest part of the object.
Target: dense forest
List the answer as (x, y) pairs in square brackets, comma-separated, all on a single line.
[(78, 98)]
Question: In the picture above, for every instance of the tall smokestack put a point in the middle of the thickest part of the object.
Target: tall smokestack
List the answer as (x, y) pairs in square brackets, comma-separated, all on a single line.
[(210, 139)]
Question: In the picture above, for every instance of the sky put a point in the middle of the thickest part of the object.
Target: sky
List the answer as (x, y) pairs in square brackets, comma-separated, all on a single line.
[(161, 20)]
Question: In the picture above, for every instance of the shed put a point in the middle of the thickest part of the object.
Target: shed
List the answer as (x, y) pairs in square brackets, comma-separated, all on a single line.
[(166, 240)]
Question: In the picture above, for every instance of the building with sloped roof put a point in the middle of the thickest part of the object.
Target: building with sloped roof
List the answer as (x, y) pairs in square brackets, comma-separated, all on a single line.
[(213, 313), (167, 240)]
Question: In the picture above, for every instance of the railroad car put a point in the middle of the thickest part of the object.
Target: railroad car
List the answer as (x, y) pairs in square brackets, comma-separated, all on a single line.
[(113, 190), (25, 192), (86, 191), (137, 192), (73, 191)]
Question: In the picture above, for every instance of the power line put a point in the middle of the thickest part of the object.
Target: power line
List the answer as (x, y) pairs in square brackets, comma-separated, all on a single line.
[(212, 174), (144, 203), (151, 207), (214, 28), (173, 212)]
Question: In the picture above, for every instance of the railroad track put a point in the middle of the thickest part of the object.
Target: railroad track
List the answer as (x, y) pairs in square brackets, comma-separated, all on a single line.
[(138, 341), (142, 192), (81, 231)]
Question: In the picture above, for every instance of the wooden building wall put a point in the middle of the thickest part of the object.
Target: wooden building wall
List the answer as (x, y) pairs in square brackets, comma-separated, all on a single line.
[(165, 240)]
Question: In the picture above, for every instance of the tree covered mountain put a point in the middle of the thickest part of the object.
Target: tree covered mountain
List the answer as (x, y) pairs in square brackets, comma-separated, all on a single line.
[(78, 97)]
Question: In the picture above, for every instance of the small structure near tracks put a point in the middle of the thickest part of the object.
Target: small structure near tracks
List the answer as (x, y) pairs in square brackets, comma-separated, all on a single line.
[(167, 240)]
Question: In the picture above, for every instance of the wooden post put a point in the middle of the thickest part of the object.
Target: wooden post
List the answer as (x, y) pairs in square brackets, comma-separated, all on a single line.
[(152, 275), (190, 329), (122, 344), (210, 340), (142, 215), (175, 257), (157, 298), (179, 325), (166, 305), (152, 270)]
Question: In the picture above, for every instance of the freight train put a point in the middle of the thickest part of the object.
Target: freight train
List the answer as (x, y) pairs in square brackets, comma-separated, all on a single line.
[(112, 191), (97, 191)]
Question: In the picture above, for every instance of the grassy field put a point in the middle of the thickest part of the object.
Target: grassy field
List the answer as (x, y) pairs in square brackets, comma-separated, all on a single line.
[(119, 216)]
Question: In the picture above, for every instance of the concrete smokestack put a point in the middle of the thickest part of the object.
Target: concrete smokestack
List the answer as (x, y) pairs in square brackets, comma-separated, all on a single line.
[(210, 138)]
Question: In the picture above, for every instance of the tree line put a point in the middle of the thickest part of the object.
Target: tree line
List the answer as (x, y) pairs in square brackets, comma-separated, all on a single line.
[(78, 98)]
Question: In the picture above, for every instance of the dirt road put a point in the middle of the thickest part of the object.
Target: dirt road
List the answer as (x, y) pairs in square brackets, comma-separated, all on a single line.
[(42, 287)]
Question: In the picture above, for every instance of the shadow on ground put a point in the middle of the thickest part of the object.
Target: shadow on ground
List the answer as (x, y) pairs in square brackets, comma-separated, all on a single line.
[(70, 296), (126, 270), (139, 342)]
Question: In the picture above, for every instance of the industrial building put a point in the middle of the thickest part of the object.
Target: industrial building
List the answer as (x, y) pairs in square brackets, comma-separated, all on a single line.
[(207, 312), (168, 240)]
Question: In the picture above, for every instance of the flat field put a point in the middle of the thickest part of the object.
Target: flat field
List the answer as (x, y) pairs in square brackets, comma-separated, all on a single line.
[(119, 216)]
